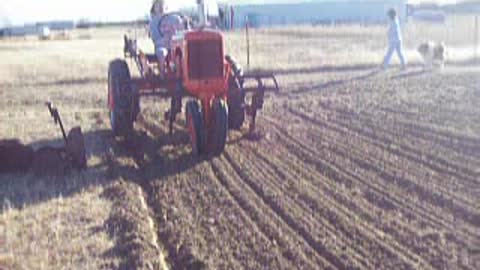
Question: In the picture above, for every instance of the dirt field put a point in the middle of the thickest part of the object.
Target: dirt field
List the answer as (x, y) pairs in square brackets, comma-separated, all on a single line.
[(351, 168)]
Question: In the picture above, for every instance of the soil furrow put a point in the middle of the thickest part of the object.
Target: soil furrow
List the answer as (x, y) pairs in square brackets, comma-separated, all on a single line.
[(363, 125), (314, 205), (201, 193), (302, 207), (319, 248), (433, 196), (414, 171), (422, 214), (380, 138), (409, 238), (439, 140), (252, 209), (144, 196), (448, 139), (349, 179)]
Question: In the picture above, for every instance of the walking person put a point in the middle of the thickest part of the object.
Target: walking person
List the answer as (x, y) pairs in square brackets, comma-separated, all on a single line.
[(394, 40)]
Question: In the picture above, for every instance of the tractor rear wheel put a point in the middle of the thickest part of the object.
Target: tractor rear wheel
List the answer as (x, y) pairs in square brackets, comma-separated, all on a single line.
[(195, 126), (125, 105), (219, 128)]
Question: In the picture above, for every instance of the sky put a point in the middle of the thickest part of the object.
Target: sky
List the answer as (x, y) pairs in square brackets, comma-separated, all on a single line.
[(17, 12), (24, 11)]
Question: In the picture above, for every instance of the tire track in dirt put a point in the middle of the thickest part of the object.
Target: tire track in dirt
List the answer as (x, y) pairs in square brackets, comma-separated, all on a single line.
[(449, 166), (348, 120), (307, 201), (460, 154), (134, 149), (467, 198), (430, 195), (349, 153), (318, 247), (443, 187), (140, 252), (347, 178), (298, 208), (257, 216), (443, 162), (326, 168), (423, 213), (454, 142), (338, 219), (320, 183), (282, 253), (449, 154), (198, 215), (409, 238)]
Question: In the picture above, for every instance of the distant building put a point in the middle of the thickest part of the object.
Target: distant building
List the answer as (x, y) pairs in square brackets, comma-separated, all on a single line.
[(313, 12), (27, 29), (36, 28), (57, 25), (463, 7)]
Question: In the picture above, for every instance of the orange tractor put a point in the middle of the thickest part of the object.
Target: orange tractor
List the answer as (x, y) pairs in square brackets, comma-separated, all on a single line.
[(197, 68)]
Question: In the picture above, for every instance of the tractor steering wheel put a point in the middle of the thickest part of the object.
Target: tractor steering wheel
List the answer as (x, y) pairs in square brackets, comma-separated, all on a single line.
[(185, 19)]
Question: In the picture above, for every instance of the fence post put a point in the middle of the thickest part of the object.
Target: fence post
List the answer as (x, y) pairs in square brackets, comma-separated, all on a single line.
[(476, 36), (248, 43)]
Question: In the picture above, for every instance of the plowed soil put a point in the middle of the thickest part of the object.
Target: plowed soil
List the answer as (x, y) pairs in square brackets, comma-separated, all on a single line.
[(374, 173)]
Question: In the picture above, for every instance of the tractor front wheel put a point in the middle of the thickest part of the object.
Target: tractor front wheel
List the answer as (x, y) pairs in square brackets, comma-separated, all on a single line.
[(195, 126), (120, 123), (219, 128), (236, 108)]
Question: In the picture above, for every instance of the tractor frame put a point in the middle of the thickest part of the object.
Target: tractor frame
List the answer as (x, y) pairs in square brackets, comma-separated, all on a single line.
[(196, 67)]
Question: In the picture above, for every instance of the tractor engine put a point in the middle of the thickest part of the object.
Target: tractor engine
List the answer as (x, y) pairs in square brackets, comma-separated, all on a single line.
[(203, 66), (205, 56)]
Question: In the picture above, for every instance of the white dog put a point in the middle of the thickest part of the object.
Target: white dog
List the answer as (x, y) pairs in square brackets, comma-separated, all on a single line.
[(433, 54)]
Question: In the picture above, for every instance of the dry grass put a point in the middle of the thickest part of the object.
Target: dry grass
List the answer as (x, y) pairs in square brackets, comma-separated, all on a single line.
[(315, 46), (61, 233), (56, 222)]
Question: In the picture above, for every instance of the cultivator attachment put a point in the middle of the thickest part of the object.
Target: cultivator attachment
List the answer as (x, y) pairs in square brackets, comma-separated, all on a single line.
[(255, 83), (260, 77)]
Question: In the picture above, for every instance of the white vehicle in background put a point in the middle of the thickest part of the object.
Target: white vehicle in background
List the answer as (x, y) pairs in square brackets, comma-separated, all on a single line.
[(44, 33)]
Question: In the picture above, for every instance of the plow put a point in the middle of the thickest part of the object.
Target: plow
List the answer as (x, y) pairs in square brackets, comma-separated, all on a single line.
[(220, 96), (74, 152), (47, 160)]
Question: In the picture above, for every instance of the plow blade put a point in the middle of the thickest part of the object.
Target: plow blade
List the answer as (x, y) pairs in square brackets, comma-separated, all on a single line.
[(74, 148)]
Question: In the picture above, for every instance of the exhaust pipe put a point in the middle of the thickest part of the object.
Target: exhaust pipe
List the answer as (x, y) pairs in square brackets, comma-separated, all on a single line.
[(202, 13)]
